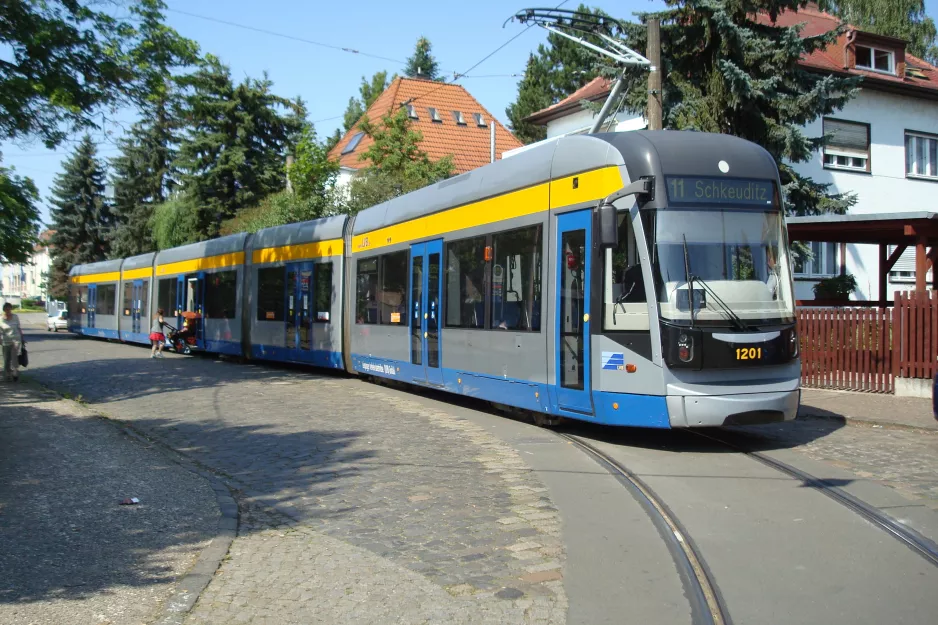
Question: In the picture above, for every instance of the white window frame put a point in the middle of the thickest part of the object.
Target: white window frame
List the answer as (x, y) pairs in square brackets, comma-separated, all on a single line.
[(920, 136), (847, 152), (826, 247), (873, 50)]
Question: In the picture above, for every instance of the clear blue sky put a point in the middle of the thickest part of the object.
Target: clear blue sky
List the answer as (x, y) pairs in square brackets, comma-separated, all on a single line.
[(461, 35)]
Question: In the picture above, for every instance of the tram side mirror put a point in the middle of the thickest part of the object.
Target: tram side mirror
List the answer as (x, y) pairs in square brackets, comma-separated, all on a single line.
[(608, 226)]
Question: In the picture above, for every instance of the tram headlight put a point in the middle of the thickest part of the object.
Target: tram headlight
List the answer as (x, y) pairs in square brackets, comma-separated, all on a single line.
[(793, 343), (685, 348)]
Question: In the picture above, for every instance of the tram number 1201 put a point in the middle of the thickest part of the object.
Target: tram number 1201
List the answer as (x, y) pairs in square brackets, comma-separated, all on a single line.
[(748, 353)]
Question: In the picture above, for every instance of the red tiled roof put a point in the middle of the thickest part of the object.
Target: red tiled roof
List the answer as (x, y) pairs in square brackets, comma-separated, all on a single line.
[(595, 89), (468, 144), (832, 59)]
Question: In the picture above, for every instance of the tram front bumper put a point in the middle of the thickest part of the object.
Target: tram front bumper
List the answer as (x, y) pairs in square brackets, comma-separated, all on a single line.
[(742, 409)]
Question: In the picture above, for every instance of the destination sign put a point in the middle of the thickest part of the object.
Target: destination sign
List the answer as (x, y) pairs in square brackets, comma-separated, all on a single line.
[(695, 190)]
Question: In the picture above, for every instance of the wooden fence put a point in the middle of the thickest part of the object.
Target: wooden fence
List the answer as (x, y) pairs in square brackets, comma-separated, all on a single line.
[(916, 334), (847, 348), (865, 349)]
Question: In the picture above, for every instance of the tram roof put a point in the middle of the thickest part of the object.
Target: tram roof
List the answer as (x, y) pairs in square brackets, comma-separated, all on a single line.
[(203, 249), (140, 261), (102, 266), (305, 232)]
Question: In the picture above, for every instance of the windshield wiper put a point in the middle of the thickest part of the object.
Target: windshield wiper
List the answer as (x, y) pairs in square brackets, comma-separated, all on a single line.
[(689, 278), (730, 313)]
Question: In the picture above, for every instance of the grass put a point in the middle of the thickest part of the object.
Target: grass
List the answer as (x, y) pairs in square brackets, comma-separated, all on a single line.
[(28, 309)]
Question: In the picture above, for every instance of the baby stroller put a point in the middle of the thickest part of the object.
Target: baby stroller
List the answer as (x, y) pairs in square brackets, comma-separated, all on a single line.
[(182, 340)]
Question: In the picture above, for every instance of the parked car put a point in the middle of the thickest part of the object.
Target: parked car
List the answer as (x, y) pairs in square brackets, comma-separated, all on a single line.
[(57, 321)]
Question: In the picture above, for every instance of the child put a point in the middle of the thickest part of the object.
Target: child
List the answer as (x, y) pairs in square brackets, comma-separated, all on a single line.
[(157, 338)]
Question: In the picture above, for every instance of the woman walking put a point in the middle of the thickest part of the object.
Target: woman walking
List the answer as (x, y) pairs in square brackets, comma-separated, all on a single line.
[(11, 336), (157, 338)]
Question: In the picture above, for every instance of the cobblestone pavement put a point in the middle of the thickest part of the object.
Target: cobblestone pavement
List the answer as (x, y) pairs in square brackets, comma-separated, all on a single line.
[(68, 552), (359, 503), (862, 408), (904, 459)]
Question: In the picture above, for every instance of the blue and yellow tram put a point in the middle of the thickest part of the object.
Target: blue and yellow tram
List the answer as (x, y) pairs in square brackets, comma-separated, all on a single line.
[(637, 278)]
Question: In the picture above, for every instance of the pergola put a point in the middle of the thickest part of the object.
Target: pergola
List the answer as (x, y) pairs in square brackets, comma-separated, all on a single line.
[(904, 230)]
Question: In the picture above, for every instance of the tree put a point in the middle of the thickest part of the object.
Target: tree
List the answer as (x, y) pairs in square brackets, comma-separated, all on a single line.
[(421, 63), (81, 215), (19, 217), (904, 19), (396, 164), (369, 90), (559, 68), (234, 153), (728, 68), (142, 176), (68, 62), (312, 172)]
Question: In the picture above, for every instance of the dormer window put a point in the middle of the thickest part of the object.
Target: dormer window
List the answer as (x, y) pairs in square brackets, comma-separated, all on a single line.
[(434, 115), (457, 115), (480, 121), (876, 59)]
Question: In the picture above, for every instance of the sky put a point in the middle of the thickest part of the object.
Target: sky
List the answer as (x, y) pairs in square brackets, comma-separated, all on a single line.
[(325, 78)]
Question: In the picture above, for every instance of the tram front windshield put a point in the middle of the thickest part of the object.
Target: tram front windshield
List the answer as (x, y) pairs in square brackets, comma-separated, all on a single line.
[(732, 263)]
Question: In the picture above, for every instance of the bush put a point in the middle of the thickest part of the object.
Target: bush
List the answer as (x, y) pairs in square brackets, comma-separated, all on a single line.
[(838, 287)]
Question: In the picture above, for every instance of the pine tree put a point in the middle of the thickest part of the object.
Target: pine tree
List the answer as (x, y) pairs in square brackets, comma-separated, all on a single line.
[(368, 91), (234, 153), (904, 19), (421, 63), (559, 68), (142, 177), (81, 215), (729, 69)]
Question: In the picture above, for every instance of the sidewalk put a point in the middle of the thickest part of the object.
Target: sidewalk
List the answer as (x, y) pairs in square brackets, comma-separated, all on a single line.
[(69, 553), (868, 408)]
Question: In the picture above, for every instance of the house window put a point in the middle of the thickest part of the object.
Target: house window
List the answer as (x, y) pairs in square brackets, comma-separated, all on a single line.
[(921, 155), (822, 264), (848, 145), (480, 121), (876, 59), (411, 111), (904, 269), (435, 115), (350, 147), (460, 120)]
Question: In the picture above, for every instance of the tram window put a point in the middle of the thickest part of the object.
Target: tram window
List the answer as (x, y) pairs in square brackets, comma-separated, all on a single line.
[(144, 297), (624, 300), (465, 283), (393, 288), (107, 294), (323, 292), (270, 294), (221, 295), (128, 299), (366, 291), (74, 300), (166, 296), (516, 280), (82, 299)]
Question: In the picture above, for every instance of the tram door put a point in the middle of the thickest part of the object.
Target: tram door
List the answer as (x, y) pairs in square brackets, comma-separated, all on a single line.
[(425, 298), (136, 306), (189, 293), (299, 302), (573, 311), (90, 305)]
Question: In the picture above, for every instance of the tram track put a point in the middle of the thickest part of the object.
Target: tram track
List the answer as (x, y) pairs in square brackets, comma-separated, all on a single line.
[(706, 602), (909, 537)]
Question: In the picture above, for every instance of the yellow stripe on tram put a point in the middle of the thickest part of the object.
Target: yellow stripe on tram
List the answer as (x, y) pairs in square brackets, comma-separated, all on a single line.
[(318, 249), (112, 276), (588, 186), (134, 274), (199, 264)]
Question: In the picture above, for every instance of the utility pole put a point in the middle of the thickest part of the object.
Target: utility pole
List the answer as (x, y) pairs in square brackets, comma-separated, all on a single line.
[(655, 121)]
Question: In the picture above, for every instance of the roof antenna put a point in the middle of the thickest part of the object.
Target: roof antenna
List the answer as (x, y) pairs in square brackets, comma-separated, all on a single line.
[(566, 23)]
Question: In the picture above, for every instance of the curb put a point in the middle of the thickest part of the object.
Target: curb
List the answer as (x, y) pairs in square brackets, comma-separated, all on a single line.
[(867, 423), (190, 586)]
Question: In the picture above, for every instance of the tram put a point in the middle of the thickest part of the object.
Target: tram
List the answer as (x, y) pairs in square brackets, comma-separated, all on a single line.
[(630, 279)]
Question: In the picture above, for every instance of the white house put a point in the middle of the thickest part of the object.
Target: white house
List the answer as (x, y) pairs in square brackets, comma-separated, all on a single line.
[(26, 280), (882, 148)]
